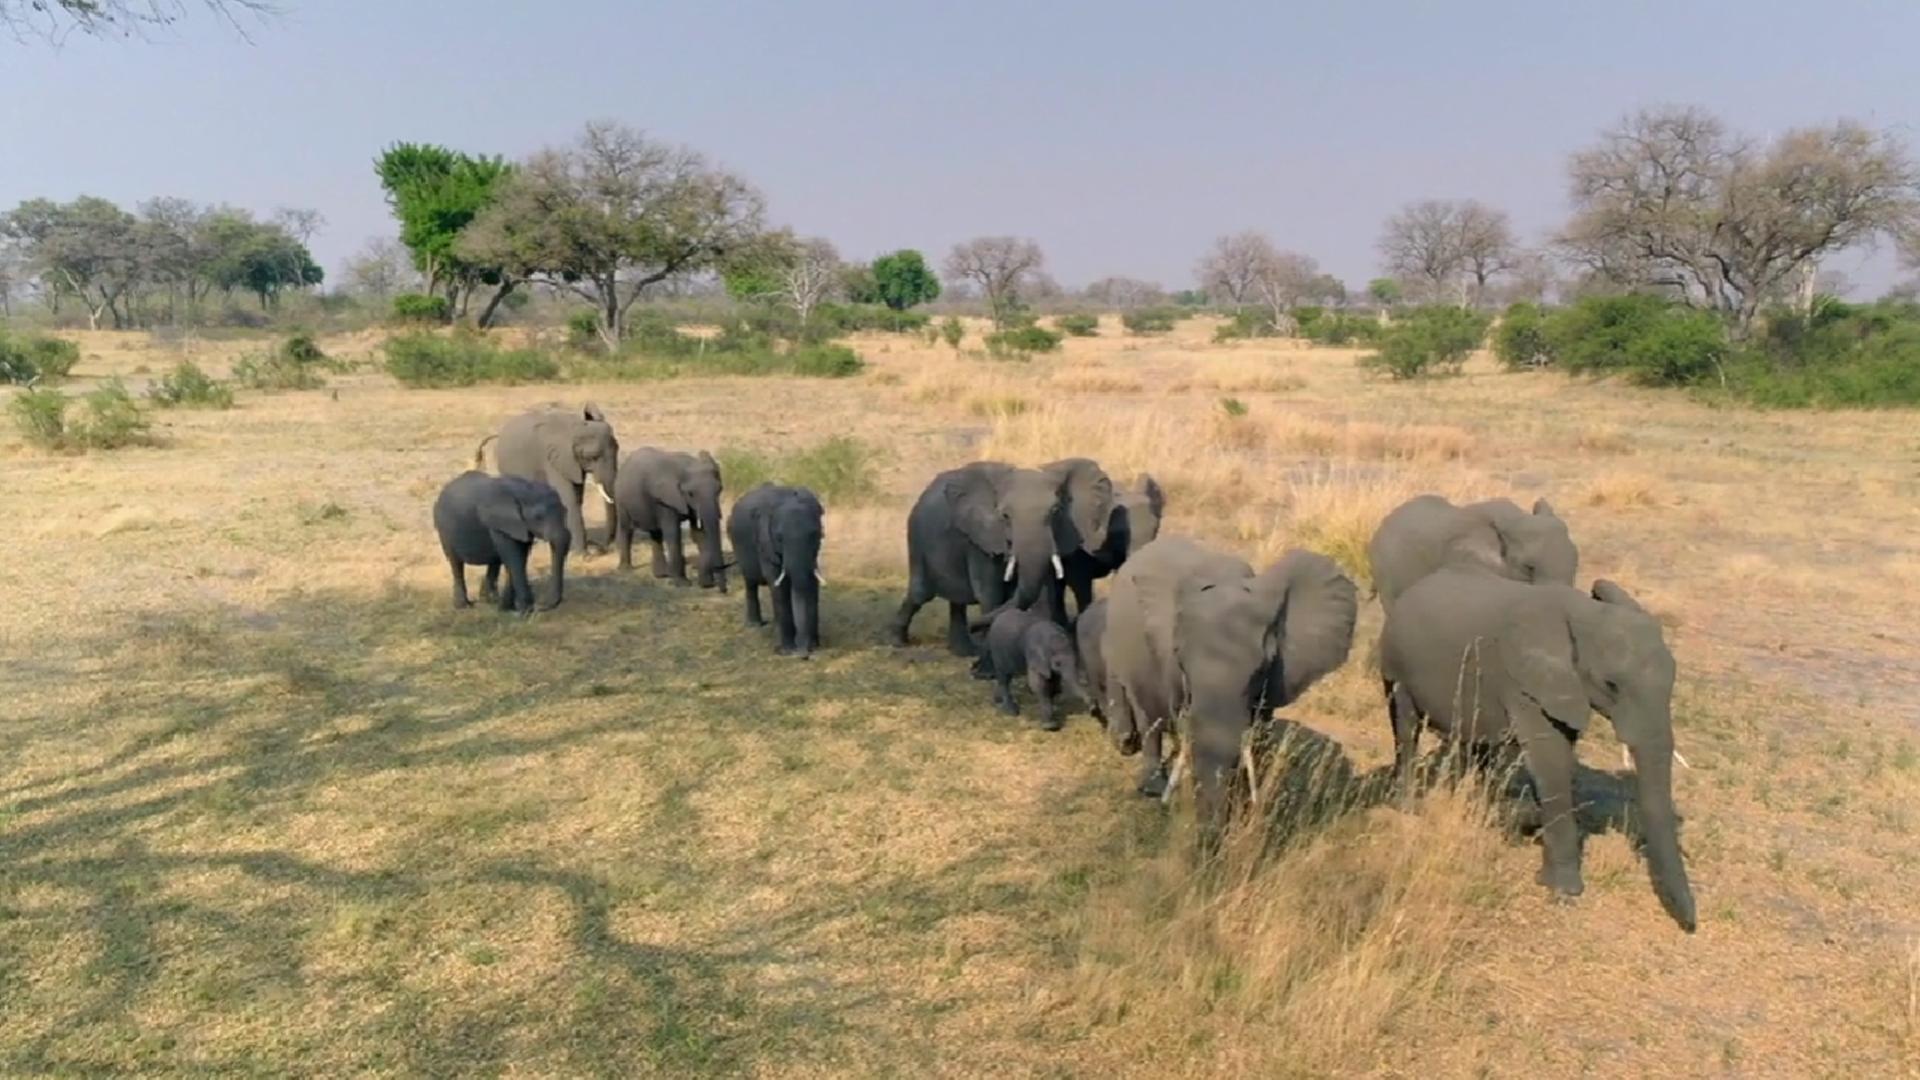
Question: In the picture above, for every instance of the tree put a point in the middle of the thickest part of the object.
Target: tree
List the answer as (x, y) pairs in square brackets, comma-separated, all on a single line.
[(1228, 270), (1450, 249), (812, 277), (1125, 293), (777, 267), (613, 216), (1000, 266), (902, 279), (54, 19), (382, 269), (1283, 280), (1385, 291), (436, 193), (1669, 199), (263, 259), (88, 249)]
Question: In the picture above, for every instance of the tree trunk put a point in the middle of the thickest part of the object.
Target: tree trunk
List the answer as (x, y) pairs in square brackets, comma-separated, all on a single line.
[(493, 304)]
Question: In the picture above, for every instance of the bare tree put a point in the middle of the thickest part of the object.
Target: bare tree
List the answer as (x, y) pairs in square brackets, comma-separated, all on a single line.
[(54, 19), (1000, 266), (1448, 248), (1487, 246), (811, 276), (1671, 199), (1229, 268), (1283, 280), (1125, 293), (299, 222), (382, 269)]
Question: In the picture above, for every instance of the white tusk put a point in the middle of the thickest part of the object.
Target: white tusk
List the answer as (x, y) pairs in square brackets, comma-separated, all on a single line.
[(1626, 759), (1008, 576), (818, 576), (1059, 571), (1173, 781), (1681, 760), (781, 578), (1253, 782)]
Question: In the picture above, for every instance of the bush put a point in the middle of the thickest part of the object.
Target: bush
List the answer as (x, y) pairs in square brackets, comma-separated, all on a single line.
[(189, 387), (296, 365), (1153, 320), (583, 331), (430, 360), (841, 470), (1021, 341), (1840, 356), (1520, 341), (952, 331), (421, 308), (826, 361), (1078, 325), (1246, 323), (1431, 340), (109, 418), (26, 359), (853, 318), (1648, 339), (1341, 328)]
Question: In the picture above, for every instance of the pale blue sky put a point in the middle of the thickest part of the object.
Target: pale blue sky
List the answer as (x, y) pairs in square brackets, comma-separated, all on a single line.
[(1123, 136)]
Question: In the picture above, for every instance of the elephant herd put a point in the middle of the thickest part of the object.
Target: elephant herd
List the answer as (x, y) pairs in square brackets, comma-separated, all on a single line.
[(1486, 641)]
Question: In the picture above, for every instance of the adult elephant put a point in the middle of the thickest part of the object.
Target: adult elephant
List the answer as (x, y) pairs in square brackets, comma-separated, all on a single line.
[(1427, 533), (657, 491), (561, 446), (776, 533), (1132, 524), (992, 534), (1195, 634), (1494, 662)]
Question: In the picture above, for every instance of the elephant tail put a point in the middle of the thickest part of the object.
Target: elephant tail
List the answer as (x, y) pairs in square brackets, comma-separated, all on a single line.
[(480, 453)]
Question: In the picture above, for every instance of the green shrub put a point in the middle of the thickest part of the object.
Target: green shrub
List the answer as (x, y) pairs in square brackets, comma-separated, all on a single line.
[(1233, 406), (1078, 325), (1520, 341), (108, 418), (430, 360), (40, 414), (1020, 341), (421, 308), (1341, 328), (296, 365), (1839, 356), (826, 361), (1431, 340), (841, 470), (852, 318), (952, 331), (186, 386), (1650, 340), (1153, 320), (583, 331), (26, 359), (744, 470), (1246, 323)]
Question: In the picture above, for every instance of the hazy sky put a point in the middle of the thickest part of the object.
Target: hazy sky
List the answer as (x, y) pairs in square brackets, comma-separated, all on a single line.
[(1123, 136)]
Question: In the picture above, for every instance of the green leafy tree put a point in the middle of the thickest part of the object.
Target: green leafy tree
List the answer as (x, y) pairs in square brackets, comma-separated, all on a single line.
[(88, 249), (436, 193), (1385, 291), (903, 279)]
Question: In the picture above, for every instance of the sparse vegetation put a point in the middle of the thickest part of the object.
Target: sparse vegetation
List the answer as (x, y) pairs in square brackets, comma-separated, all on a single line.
[(431, 360), (1427, 341), (35, 358), (187, 386), (297, 364), (106, 418), (1078, 325), (1018, 343), (1150, 320), (840, 469), (421, 308)]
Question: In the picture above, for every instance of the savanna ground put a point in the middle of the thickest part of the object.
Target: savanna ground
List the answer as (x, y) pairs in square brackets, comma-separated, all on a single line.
[(269, 806)]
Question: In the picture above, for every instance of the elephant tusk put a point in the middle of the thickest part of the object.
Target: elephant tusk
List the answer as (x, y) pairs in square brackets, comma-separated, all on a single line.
[(1681, 760), (1626, 759), (818, 576), (1008, 576), (1173, 781), (1059, 571), (781, 578), (1253, 781)]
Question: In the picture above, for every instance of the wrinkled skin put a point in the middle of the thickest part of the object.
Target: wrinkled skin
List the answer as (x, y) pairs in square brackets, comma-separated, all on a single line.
[(967, 527), (560, 447), (1427, 533), (1031, 644), (492, 521), (776, 534), (1196, 633), (1132, 523), (1089, 628), (657, 491), (1491, 662)]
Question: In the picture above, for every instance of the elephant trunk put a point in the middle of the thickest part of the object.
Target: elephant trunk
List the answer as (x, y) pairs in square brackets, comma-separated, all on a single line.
[(1035, 566), (801, 563), (558, 543), (706, 529), (1659, 828), (1216, 725)]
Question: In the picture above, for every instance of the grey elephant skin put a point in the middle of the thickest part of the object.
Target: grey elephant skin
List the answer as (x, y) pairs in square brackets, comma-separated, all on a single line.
[(560, 447), (1089, 629), (776, 533), (992, 534), (1196, 633), (658, 491), (1133, 523), (1426, 533), (1032, 644), (1489, 662), (492, 521)]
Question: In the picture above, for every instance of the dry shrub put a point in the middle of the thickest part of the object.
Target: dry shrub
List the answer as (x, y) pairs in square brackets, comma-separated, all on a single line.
[(1624, 490), (1368, 440), (865, 543), (1095, 380), (1603, 439), (1247, 374), (994, 406), (1300, 962), (1336, 514), (1195, 471)]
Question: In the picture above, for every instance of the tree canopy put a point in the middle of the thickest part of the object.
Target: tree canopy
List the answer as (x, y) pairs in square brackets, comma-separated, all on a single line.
[(902, 280)]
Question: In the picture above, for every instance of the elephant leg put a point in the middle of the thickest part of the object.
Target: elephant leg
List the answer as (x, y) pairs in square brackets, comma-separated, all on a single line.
[(982, 665), (754, 617), (1406, 735), (1003, 696), (654, 537), (518, 595), (1550, 759), (576, 521), (1121, 726), (623, 537), (1045, 687), (919, 591), (490, 582), (1153, 763), (783, 616), (460, 599), (676, 554), (1082, 586), (959, 641)]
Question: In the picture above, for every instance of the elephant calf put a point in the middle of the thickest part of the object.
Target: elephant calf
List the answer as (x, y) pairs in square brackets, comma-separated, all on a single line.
[(656, 490), (776, 534), (1030, 643), (1492, 662), (492, 521), (1427, 533)]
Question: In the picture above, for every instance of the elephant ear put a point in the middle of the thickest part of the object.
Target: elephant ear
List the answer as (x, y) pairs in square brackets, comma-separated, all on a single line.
[(1314, 606), (500, 511), (1535, 648), (1156, 498), (764, 539), (1608, 592), (590, 411), (976, 511), (1543, 508), (663, 484), (563, 456)]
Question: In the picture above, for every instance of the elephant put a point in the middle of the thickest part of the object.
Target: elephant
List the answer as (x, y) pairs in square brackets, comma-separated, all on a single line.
[(492, 521), (1493, 662), (1032, 644), (1426, 533), (657, 490), (1195, 633), (1131, 525), (1089, 628), (776, 533), (982, 527), (560, 446)]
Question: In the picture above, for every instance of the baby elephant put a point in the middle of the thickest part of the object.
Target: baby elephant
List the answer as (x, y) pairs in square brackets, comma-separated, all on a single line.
[(1030, 643), (776, 534), (493, 520)]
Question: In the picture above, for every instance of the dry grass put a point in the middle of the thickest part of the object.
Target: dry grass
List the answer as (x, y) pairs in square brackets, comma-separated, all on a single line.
[(270, 807)]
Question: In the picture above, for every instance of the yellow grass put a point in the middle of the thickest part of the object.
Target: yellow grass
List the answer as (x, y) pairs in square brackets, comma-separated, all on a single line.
[(269, 806)]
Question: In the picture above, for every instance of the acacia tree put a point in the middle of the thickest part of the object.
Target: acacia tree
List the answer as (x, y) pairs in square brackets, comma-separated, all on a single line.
[(613, 216), (1447, 247), (436, 193), (1001, 266), (383, 268), (902, 279), (1228, 270), (1671, 199), (1283, 280), (88, 249)]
